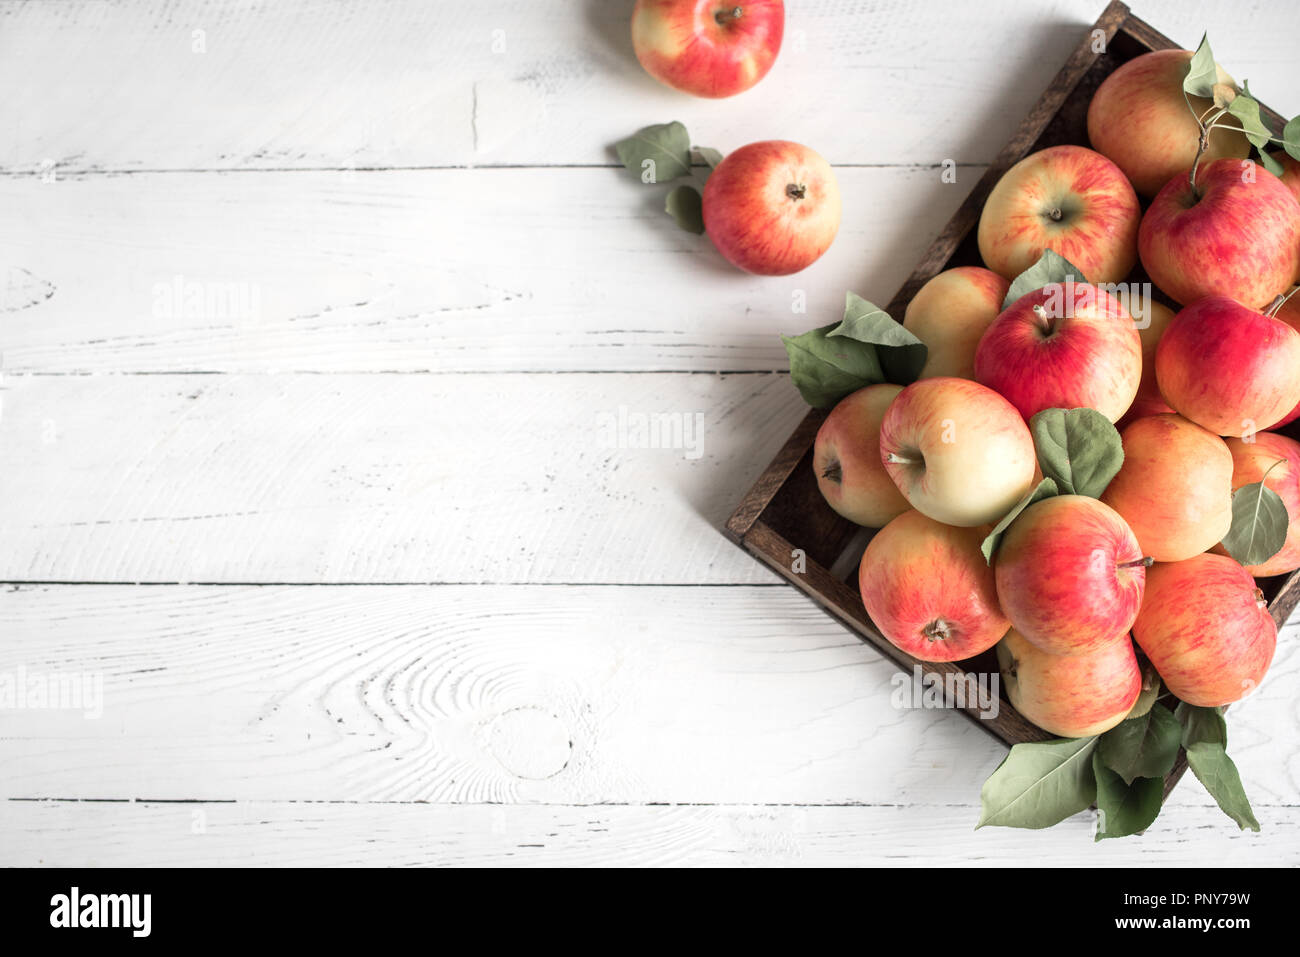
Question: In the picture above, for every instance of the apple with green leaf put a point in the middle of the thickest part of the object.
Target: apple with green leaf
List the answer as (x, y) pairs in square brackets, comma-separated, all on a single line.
[(1274, 460), (772, 208), (708, 47)]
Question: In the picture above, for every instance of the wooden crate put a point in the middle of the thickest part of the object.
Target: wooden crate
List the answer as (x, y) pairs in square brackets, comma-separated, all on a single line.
[(784, 511)]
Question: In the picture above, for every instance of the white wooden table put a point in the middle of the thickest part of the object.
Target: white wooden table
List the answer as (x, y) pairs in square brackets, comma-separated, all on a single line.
[(310, 314)]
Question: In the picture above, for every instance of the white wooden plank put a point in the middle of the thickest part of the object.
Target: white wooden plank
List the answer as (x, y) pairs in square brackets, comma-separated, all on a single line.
[(505, 694), (96, 85), (452, 270), (383, 478), (80, 835)]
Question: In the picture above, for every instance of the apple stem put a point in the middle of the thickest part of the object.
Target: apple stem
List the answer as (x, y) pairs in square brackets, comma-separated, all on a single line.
[(899, 459), (1279, 302), (723, 16), (796, 191), (1146, 561), (1044, 320)]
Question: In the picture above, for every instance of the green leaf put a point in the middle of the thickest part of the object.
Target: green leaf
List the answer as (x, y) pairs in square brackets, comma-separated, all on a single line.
[(1079, 448), (1270, 164), (902, 355), (1246, 109), (825, 370), (1213, 768), (1201, 725), (709, 155), (1142, 747), (1039, 784), (686, 206), (657, 153), (1149, 693), (1044, 489), (1124, 807), (1259, 524), (1202, 72), (1051, 268), (1291, 138)]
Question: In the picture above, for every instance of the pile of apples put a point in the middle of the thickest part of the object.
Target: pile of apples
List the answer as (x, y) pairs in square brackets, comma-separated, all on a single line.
[(1111, 564)]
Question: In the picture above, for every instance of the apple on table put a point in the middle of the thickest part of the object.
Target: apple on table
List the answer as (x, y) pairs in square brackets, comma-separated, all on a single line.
[(707, 47)]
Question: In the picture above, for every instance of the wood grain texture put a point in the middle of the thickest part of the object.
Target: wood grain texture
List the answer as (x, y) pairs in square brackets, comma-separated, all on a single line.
[(100, 86), (383, 478), (507, 694), (446, 270), (312, 834)]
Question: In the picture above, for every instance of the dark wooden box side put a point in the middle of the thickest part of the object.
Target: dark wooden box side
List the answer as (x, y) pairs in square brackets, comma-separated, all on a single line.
[(784, 516)]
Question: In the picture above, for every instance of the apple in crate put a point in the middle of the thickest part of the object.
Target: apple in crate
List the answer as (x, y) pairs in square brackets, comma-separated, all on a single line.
[(707, 47), (950, 313), (1151, 325), (1290, 172), (772, 208), (1236, 233), (1290, 314), (959, 452), (929, 590), (1278, 457), (1175, 487), (1206, 628), (1073, 696), (1066, 346), (1229, 367), (1140, 119), (1068, 199), (846, 459), (1070, 574)]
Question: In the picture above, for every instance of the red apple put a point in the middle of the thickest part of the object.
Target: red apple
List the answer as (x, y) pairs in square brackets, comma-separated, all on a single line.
[(846, 459), (1279, 457), (950, 313), (1068, 346), (1151, 325), (1070, 574), (1228, 367), (1236, 234), (1140, 119), (1174, 488), (707, 47), (772, 207), (928, 589), (1290, 314), (1074, 696), (959, 452), (1290, 172), (1067, 199), (1206, 628)]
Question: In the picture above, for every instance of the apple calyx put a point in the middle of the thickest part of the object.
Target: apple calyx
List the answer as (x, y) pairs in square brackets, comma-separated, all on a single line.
[(1055, 214), (1146, 561), (797, 191), (894, 458), (834, 473), (938, 630), (728, 16)]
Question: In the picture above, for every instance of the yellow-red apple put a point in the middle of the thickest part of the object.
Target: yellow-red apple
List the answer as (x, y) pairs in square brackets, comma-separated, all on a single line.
[(959, 452), (1140, 119), (772, 207), (1290, 314), (846, 459), (1290, 172), (1069, 573), (1066, 346), (1206, 628), (1279, 458), (1174, 488), (950, 313), (1068, 199), (1236, 233), (1074, 696), (929, 590), (708, 47), (1228, 367)]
